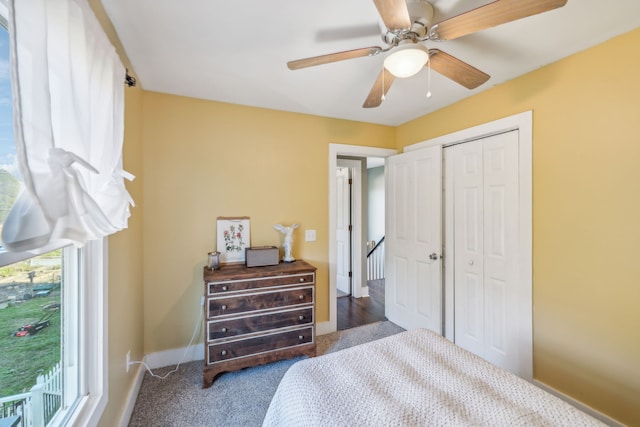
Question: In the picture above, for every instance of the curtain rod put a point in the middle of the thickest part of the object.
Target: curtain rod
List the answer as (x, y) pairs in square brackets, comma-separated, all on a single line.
[(129, 80)]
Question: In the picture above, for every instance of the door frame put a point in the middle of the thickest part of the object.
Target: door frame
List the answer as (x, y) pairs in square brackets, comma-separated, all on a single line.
[(336, 150), (523, 123)]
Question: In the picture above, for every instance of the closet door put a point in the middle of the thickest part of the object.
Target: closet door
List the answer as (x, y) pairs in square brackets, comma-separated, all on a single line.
[(486, 291), (413, 267)]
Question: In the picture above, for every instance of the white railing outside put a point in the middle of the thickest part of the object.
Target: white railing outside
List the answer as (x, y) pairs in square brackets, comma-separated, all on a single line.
[(38, 406)]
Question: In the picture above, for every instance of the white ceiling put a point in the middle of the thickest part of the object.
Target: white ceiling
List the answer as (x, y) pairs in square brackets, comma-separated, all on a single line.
[(236, 51)]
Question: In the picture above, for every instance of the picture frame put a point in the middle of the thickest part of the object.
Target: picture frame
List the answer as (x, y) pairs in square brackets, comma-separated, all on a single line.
[(233, 237)]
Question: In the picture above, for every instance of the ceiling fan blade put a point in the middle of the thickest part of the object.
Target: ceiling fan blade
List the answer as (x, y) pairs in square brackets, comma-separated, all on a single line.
[(491, 15), (394, 14), (380, 88), (456, 70), (333, 57)]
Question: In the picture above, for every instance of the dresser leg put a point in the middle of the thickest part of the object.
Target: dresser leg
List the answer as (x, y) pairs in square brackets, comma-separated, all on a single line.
[(208, 377)]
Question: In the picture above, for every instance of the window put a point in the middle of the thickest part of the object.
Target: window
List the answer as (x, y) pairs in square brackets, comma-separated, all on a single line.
[(52, 310)]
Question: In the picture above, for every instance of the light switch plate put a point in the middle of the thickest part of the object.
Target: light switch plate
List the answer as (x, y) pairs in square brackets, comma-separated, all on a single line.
[(310, 235)]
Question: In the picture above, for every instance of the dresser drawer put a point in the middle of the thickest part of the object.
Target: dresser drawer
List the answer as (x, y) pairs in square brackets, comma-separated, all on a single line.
[(256, 323), (262, 282), (219, 306), (229, 350)]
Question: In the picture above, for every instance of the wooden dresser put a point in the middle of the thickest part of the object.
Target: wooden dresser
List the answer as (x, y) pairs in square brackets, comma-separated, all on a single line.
[(257, 315)]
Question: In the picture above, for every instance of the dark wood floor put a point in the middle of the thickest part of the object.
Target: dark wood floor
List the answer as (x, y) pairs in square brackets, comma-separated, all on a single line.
[(354, 312)]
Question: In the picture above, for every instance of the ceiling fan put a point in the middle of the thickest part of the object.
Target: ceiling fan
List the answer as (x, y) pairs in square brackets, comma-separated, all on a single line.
[(406, 23)]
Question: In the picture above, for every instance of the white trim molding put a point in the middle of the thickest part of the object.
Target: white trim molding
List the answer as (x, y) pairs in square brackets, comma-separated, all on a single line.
[(324, 328), (581, 406), (522, 121), (132, 396), (92, 333), (174, 356)]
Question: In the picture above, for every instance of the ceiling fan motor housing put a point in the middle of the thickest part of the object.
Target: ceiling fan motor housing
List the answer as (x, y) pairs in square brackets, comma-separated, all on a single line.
[(421, 14)]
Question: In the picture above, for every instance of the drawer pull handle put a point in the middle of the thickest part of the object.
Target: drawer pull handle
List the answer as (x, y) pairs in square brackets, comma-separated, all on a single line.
[(301, 279), (224, 288), (300, 337), (223, 352), (300, 317), (224, 329), (223, 307), (301, 297)]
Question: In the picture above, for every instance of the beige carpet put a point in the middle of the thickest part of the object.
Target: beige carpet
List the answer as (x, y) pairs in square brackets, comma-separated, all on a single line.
[(236, 398)]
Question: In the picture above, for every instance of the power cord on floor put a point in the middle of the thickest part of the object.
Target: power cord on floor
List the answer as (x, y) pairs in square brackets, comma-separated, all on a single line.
[(195, 331)]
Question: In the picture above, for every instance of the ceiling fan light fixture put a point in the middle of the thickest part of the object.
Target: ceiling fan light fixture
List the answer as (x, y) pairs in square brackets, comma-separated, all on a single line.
[(407, 60)]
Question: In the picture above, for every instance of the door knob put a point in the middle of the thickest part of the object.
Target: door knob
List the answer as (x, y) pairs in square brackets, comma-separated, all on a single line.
[(433, 256)]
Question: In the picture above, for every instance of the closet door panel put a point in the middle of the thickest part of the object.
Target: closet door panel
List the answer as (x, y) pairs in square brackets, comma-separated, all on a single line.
[(469, 246), (500, 249)]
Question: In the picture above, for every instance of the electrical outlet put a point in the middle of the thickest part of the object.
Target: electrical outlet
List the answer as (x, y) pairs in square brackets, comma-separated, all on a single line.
[(128, 359), (310, 235)]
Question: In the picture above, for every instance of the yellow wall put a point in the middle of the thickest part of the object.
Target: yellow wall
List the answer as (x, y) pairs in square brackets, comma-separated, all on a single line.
[(206, 159), (125, 277), (124, 285), (586, 216)]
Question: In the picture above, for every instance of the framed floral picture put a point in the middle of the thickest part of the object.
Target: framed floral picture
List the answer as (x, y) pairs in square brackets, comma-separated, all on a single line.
[(234, 235)]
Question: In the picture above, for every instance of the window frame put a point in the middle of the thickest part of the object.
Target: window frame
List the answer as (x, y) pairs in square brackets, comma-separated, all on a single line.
[(90, 360)]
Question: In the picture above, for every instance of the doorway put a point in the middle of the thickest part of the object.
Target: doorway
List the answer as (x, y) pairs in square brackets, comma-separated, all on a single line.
[(360, 206), (358, 232)]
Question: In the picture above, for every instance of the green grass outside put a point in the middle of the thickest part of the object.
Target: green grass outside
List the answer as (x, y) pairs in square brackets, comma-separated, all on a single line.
[(22, 359)]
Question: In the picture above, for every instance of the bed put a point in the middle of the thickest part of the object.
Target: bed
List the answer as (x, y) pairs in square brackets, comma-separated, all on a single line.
[(414, 378)]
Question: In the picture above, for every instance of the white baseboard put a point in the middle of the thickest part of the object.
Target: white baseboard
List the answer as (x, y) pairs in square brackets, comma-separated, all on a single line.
[(324, 328), (154, 361), (174, 356), (132, 396), (584, 408)]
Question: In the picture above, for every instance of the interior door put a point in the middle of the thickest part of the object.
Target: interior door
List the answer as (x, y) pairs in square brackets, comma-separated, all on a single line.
[(413, 265), (343, 232)]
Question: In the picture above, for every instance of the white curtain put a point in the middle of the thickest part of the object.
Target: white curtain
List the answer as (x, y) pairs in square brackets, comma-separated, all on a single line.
[(68, 99)]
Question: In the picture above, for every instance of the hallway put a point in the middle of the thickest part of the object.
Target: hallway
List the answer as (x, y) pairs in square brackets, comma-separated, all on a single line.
[(353, 312)]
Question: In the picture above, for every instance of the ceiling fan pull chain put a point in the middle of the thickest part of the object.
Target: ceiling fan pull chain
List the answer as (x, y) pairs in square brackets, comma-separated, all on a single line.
[(429, 78), (382, 98)]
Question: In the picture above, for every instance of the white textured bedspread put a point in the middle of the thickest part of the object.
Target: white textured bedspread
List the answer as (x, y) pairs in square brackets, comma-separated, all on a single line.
[(415, 378)]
